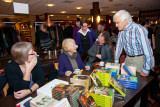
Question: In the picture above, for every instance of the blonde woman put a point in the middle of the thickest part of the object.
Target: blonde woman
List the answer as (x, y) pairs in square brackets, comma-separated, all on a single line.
[(70, 59), (24, 74)]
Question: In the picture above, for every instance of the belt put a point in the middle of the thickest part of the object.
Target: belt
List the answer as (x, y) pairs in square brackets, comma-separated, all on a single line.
[(136, 55)]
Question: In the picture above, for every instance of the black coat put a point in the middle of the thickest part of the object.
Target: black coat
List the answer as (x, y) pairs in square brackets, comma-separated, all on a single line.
[(14, 77)]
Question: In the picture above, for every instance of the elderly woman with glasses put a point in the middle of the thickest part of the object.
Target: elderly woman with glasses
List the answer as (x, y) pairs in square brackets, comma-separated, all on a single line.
[(24, 73), (70, 59)]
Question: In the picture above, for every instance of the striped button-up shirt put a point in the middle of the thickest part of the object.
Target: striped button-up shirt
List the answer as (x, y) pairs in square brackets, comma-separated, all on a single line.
[(134, 40)]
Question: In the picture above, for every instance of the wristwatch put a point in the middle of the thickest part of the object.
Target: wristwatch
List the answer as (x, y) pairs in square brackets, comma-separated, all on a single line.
[(30, 90)]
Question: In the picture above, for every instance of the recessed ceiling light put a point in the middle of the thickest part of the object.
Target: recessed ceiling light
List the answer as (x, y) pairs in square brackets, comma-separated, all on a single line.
[(8, 1), (51, 15), (78, 7), (63, 11), (77, 15), (113, 11), (50, 5), (68, 17)]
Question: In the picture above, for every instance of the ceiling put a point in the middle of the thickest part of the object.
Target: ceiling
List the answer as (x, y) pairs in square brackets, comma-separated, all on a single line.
[(38, 7)]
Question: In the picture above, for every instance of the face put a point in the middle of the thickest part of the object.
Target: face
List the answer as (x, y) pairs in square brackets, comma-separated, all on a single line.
[(31, 55), (121, 25), (101, 39), (84, 27), (99, 27), (73, 47)]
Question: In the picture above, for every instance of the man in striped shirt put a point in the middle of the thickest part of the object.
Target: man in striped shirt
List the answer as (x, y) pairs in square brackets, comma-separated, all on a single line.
[(134, 39)]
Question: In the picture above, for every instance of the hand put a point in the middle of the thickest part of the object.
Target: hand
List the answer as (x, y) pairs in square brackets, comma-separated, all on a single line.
[(87, 67), (31, 65), (21, 94), (99, 56), (68, 73), (143, 74)]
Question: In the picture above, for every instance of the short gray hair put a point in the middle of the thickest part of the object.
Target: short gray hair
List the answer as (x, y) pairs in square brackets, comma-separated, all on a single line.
[(77, 23), (124, 15)]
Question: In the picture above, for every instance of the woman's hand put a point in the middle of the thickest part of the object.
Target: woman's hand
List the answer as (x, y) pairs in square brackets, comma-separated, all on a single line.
[(99, 56), (21, 94), (68, 73), (87, 67), (31, 65)]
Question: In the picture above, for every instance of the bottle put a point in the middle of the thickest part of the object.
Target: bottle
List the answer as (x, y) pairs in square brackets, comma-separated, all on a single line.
[(55, 53)]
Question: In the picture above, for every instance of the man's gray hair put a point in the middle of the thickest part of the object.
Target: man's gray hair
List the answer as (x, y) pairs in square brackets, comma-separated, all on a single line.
[(77, 23), (124, 15)]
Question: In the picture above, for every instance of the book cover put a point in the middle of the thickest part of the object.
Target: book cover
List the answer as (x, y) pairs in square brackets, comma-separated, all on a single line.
[(86, 99), (118, 86), (95, 78)]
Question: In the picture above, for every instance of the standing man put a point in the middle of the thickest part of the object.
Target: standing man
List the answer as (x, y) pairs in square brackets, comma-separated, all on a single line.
[(134, 39), (99, 29)]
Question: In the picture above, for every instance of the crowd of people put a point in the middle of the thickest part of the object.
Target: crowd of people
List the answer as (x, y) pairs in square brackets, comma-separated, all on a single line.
[(138, 42)]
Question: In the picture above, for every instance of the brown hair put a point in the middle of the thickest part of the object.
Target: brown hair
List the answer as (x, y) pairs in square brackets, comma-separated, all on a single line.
[(20, 50), (83, 21), (106, 36), (66, 44)]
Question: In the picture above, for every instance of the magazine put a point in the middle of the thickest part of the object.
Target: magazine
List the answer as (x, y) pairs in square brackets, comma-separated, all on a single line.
[(95, 79)]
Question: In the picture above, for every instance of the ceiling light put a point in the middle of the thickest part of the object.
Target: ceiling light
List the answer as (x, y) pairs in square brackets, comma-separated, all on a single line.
[(78, 7), (8, 1), (51, 15), (113, 11), (63, 11), (50, 5), (77, 15), (68, 17)]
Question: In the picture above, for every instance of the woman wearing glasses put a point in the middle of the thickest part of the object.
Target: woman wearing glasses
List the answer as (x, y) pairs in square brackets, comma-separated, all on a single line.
[(24, 74), (70, 59)]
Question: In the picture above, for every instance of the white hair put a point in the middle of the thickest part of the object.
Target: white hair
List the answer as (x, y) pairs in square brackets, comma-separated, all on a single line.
[(78, 23), (124, 15)]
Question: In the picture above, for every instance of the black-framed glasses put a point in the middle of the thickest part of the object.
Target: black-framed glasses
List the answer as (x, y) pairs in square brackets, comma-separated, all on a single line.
[(31, 54)]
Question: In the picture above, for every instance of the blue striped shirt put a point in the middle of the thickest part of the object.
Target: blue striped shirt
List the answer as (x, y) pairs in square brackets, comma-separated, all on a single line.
[(134, 40)]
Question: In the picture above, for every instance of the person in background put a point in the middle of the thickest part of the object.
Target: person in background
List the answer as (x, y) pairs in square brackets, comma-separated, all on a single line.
[(43, 38), (100, 51), (70, 59), (114, 36), (24, 74), (98, 30), (146, 23), (76, 29), (134, 39), (85, 37)]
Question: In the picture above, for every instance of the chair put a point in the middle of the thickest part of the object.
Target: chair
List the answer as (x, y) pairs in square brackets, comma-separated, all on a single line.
[(56, 65), (4, 85)]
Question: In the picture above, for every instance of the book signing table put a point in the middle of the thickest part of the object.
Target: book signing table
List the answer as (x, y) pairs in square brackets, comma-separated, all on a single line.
[(102, 86)]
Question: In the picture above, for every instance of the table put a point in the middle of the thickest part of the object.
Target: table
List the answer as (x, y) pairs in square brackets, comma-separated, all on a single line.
[(131, 95)]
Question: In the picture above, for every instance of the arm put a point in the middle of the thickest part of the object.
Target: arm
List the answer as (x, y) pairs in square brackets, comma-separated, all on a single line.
[(119, 47), (93, 34), (79, 60), (148, 53), (14, 77)]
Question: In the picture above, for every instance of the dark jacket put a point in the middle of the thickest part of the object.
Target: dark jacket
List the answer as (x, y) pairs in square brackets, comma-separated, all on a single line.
[(14, 77), (106, 53)]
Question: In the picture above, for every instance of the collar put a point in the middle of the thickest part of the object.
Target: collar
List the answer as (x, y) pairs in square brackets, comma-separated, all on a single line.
[(84, 34), (128, 26)]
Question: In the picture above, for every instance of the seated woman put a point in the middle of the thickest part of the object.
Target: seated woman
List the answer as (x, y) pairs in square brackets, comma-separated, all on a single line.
[(100, 51), (24, 74), (70, 59)]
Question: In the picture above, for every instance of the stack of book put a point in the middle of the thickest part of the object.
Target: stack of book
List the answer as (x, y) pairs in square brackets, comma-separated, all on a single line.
[(103, 96), (66, 91)]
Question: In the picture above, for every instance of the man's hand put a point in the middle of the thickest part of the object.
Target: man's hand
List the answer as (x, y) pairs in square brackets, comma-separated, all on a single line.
[(99, 56), (143, 74)]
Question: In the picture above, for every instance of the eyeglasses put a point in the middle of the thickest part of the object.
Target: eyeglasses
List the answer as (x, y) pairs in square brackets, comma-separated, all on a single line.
[(32, 54), (85, 26)]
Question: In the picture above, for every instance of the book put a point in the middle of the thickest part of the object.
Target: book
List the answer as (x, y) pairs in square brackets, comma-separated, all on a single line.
[(114, 66), (81, 80), (131, 69), (118, 86), (86, 100), (95, 78), (43, 101)]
